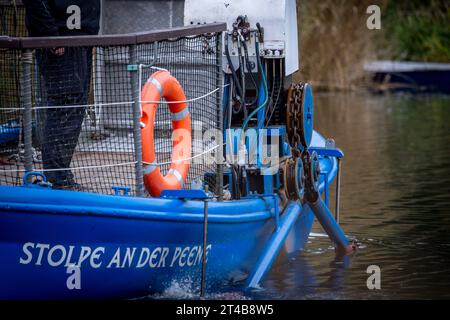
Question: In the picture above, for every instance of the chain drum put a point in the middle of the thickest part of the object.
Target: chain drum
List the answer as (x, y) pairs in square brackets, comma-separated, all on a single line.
[(294, 179), (300, 115)]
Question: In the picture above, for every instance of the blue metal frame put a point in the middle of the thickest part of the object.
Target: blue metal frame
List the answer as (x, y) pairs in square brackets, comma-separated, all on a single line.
[(308, 114), (325, 189), (329, 224), (184, 194), (327, 152), (121, 190), (290, 215)]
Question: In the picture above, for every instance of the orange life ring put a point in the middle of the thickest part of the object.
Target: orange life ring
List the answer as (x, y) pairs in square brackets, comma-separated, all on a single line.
[(163, 85)]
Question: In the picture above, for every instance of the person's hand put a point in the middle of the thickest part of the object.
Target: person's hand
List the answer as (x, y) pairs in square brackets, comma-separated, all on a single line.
[(57, 51)]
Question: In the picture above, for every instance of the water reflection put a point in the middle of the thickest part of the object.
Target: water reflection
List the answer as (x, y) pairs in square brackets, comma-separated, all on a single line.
[(395, 201)]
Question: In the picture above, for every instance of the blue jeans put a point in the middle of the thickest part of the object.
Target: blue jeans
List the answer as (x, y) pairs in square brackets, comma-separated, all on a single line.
[(66, 81)]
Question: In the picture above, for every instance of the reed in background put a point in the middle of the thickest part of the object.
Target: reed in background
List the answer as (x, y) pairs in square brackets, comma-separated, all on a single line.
[(335, 41)]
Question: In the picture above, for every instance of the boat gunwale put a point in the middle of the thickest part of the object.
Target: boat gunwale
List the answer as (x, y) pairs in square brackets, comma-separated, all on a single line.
[(134, 214), (186, 210)]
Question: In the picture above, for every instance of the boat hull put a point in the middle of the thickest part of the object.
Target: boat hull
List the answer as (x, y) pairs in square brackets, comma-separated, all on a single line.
[(72, 249), (58, 244)]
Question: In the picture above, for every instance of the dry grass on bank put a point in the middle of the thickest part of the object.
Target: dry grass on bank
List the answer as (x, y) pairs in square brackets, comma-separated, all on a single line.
[(335, 42)]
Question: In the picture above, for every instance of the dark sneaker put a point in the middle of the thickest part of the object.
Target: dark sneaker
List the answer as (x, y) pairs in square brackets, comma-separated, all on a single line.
[(74, 187), (71, 186)]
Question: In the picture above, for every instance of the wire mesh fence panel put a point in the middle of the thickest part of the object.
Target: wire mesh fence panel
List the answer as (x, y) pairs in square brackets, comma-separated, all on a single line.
[(193, 62), (12, 19), (83, 121), (11, 150), (80, 148)]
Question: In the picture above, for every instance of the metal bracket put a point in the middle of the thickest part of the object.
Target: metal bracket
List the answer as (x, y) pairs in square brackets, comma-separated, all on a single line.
[(118, 189), (36, 184), (338, 154), (327, 152), (132, 67)]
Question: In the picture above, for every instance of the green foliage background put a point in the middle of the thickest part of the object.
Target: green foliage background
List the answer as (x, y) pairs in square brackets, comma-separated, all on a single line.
[(418, 30), (335, 42)]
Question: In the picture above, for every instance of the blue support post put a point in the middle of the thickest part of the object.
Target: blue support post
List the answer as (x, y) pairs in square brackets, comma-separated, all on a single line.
[(338, 154), (266, 260), (330, 226), (326, 185), (268, 183), (225, 102)]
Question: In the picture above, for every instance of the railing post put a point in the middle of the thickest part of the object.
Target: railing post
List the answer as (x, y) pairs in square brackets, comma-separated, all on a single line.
[(338, 191), (219, 84), (25, 88), (133, 68), (205, 244)]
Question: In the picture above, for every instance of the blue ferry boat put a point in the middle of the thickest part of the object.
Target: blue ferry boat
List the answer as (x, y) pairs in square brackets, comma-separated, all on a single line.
[(167, 222)]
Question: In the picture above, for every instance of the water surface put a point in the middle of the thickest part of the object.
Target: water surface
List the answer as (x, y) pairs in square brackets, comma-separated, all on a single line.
[(395, 202)]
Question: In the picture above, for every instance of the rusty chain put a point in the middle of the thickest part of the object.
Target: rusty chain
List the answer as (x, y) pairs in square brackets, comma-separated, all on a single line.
[(294, 119)]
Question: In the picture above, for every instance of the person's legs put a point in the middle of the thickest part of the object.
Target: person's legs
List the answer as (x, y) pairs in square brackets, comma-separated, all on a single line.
[(67, 80), (82, 59), (54, 76)]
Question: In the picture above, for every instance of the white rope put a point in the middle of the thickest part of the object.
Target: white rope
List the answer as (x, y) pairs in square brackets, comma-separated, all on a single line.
[(119, 103), (186, 101), (185, 159), (125, 103), (75, 168), (152, 67), (122, 164), (75, 106)]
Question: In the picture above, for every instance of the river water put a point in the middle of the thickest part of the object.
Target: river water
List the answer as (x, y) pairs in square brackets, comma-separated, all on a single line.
[(395, 201)]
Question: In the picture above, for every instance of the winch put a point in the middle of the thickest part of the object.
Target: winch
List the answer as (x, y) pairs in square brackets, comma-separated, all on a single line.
[(268, 119), (302, 171)]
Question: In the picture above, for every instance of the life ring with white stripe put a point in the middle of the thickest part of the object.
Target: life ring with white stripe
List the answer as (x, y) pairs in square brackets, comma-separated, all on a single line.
[(163, 85)]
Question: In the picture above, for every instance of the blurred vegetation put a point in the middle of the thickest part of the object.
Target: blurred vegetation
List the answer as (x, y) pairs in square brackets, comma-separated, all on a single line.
[(419, 30), (335, 42), (12, 23)]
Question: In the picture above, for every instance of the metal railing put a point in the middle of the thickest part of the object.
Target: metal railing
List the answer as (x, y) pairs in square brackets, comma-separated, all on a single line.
[(71, 105)]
